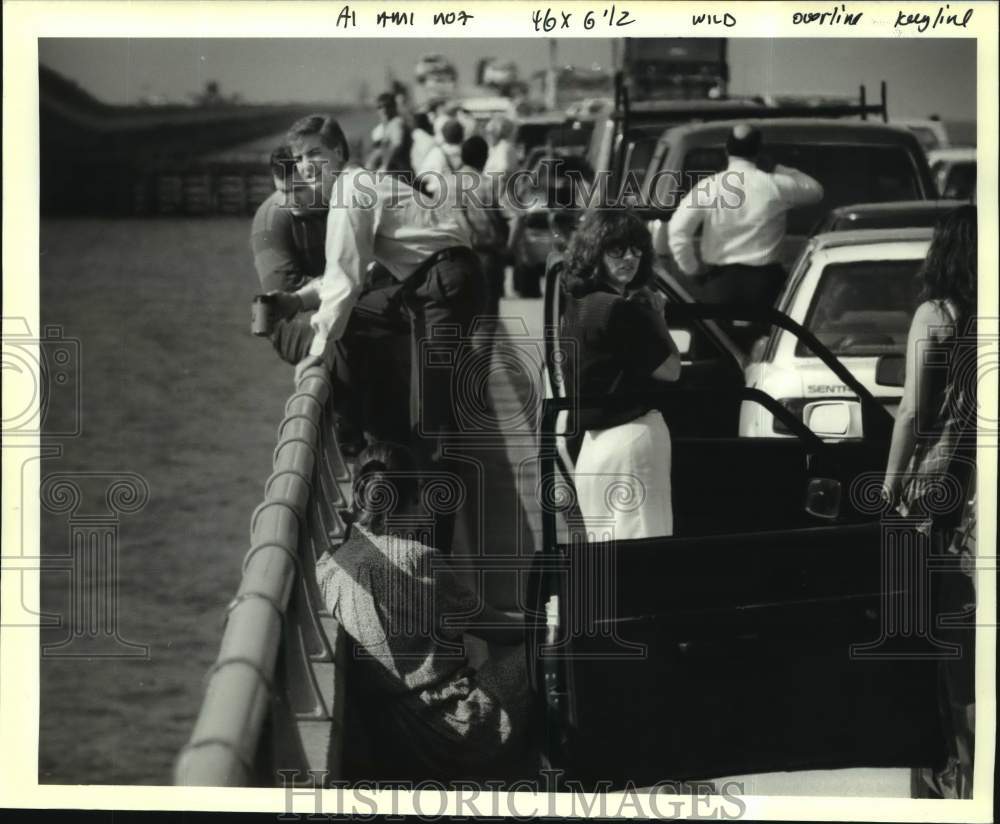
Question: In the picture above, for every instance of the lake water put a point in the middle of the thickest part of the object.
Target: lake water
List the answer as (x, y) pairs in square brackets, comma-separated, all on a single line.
[(174, 389), (177, 396)]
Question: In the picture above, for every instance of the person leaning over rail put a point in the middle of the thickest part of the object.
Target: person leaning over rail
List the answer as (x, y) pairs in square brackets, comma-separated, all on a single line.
[(617, 341), (425, 245), (427, 712), (288, 241)]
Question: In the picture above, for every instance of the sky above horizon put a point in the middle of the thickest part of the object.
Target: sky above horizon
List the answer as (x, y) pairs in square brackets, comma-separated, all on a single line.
[(924, 76)]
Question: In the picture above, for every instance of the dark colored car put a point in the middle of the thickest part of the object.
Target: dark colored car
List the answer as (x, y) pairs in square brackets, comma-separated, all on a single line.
[(759, 637), (897, 215)]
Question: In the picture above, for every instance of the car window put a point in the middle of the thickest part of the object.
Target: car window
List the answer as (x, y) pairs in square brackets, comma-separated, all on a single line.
[(961, 181), (863, 307), (849, 174), (928, 139)]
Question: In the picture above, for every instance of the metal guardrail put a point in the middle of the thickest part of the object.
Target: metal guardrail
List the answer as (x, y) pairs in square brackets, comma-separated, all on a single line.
[(274, 697)]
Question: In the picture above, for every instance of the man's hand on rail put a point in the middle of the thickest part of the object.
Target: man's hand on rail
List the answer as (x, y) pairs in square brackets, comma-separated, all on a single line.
[(306, 363)]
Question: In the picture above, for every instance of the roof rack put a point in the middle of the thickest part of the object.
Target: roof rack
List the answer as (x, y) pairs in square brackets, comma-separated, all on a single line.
[(821, 107)]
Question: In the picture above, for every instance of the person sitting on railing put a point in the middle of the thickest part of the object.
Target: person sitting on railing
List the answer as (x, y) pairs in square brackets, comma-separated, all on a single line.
[(428, 713), (615, 339), (288, 241), (426, 246)]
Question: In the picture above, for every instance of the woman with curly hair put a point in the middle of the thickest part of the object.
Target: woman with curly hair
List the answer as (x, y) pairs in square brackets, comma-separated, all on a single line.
[(930, 475), (617, 344)]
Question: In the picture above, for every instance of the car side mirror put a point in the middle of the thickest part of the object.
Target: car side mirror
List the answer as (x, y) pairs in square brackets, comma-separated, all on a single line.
[(823, 496), (890, 370), (682, 340), (833, 419)]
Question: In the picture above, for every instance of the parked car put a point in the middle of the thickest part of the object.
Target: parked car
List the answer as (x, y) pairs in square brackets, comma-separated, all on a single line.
[(857, 162), (532, 131), (547, 215), (895, 215), (749, 641), (856, 292), (954, 171)]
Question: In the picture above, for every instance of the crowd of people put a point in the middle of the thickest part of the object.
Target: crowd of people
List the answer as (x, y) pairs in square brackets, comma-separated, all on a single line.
[(363, 275)]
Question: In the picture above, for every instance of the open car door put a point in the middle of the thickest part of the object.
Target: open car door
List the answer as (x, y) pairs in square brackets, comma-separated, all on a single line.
[(765, 635)]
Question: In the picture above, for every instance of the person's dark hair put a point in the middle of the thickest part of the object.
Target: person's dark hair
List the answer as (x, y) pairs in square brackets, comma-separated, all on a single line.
[(386, 479), (743, 141), (599, 230), (475, 150), (950, 270), (452, 132), (387, 101), (422, 121), (283, 165), (326, 127)]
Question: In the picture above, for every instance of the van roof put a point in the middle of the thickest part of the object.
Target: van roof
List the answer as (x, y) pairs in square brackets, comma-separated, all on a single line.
[(827, 130)]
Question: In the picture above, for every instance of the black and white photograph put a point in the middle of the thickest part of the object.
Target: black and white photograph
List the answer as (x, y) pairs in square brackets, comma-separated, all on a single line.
[(594, 403)]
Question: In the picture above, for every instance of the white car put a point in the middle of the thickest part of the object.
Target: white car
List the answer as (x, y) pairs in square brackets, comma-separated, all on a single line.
[(954, 171), (856, 292)]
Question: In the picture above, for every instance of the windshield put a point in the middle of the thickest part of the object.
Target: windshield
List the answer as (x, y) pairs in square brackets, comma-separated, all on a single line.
[(961, 181), (849, 174), (927, 137), (863, 307)]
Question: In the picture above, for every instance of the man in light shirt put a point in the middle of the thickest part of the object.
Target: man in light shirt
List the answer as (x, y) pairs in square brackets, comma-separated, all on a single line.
[(741, 212), (502, 159), (444, 159), (425, 247)]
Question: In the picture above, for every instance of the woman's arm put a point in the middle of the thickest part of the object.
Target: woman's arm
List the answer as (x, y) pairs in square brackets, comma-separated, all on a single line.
[(913, 405), (669, 369)]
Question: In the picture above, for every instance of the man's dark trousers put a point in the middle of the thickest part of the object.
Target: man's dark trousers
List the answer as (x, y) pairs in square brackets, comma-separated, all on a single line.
[(745, 285), (444, 297)]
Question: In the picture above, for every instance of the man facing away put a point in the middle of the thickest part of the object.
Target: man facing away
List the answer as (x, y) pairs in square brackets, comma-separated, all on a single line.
[(427, 250), (742, 215), (392, 138)]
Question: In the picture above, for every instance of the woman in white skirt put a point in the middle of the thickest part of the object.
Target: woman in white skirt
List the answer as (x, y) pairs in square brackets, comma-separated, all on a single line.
[(616, 343)]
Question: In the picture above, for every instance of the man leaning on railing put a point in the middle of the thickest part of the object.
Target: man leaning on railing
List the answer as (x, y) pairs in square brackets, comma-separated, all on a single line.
[(424, 245)]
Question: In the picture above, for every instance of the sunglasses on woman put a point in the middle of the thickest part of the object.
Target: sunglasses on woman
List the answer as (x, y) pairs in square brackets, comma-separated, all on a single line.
[(618, 251)]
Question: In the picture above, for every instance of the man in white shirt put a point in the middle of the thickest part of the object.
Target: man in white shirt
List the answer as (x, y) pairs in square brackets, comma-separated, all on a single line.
[(502, 159), (741, 212), (380, 219)]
